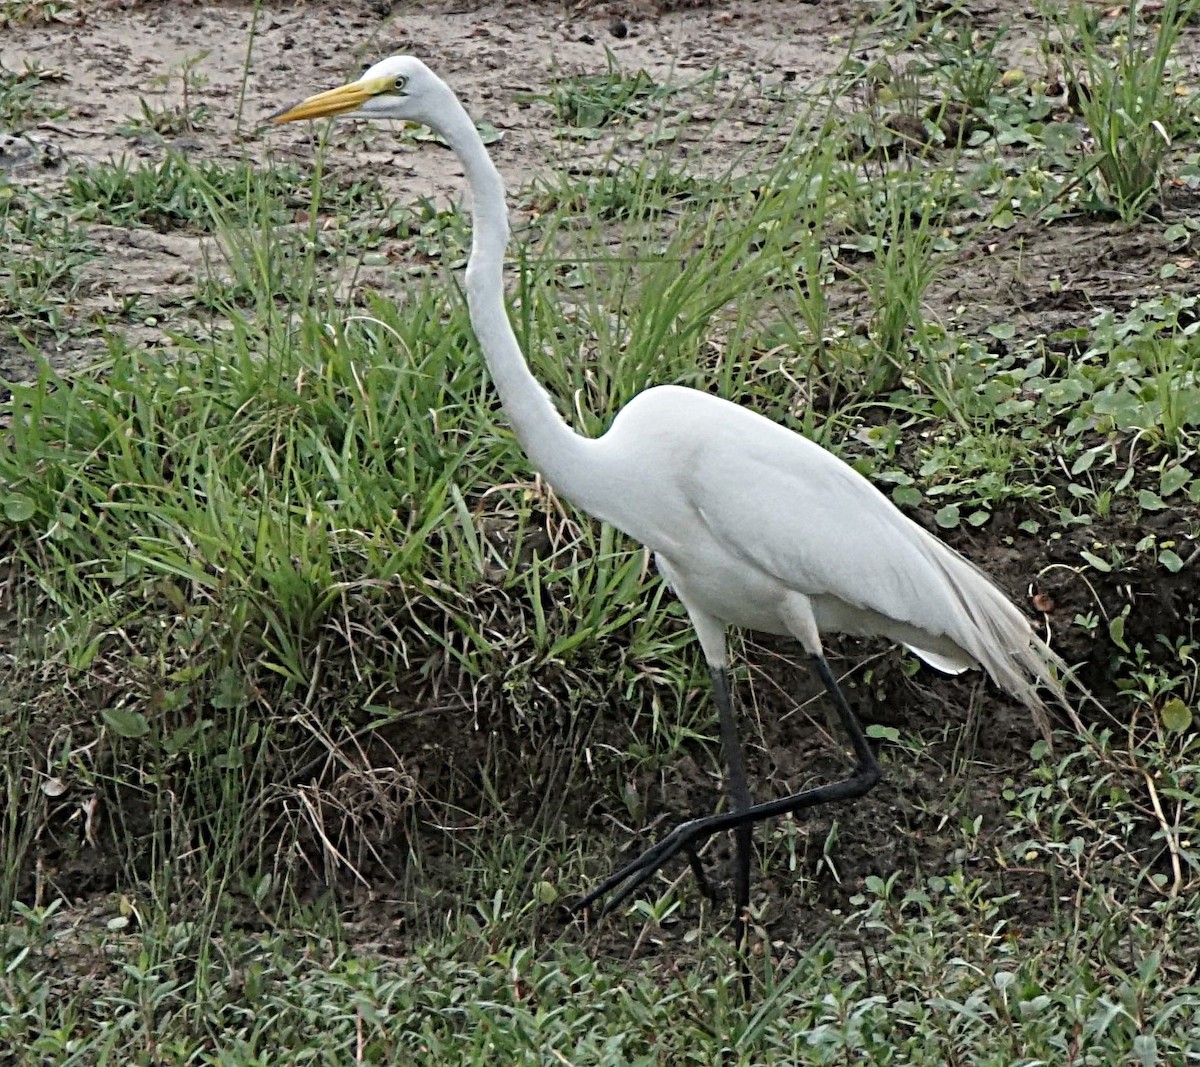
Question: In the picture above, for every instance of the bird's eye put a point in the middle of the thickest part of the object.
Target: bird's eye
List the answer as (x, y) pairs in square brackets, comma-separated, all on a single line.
[(401, 82)]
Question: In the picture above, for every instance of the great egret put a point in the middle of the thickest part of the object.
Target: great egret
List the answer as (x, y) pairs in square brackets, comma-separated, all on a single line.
[(751, 524)]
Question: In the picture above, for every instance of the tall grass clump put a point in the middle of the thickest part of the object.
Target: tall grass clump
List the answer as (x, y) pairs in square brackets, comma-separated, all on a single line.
[(1127, 97), (290, 528)]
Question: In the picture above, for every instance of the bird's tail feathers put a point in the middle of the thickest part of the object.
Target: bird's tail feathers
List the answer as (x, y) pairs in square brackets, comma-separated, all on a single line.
[(1000, 639), (939, 661)]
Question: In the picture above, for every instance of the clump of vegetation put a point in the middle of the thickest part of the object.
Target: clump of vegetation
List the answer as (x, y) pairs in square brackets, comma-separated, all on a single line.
[(21, 104), (1129, 101), (46, 252), (177, 193), (594, 100)]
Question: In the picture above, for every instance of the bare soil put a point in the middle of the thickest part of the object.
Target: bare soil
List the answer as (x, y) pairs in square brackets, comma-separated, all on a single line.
[(1053, 277)]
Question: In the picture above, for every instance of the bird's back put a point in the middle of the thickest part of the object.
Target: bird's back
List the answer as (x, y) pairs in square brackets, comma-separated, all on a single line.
[(747, 514)]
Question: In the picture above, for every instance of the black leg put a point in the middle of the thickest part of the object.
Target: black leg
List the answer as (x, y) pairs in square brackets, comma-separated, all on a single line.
[(688, 835), (740, 800), (693, 858), (738, 787)]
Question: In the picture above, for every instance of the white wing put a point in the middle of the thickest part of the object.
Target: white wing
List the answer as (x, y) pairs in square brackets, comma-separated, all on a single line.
[(754, 508)]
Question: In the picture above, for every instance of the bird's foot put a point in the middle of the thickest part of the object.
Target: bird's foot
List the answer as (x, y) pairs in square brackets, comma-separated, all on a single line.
[(685, 836)]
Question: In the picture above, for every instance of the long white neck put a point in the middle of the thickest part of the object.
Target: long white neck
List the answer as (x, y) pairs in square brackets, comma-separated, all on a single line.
[(553, 447)]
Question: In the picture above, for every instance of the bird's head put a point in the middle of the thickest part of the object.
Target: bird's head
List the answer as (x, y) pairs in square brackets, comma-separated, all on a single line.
[(399, 87)]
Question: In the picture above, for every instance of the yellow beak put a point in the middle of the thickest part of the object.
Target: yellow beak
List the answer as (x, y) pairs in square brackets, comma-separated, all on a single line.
[(334, 102)]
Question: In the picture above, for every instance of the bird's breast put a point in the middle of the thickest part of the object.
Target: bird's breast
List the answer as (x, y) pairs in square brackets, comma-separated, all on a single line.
[(724, 589)]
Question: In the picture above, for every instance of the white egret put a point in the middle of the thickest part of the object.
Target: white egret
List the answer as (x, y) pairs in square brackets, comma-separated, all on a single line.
[(751, 524)]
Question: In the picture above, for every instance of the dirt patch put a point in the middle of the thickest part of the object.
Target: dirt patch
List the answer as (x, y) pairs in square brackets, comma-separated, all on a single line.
[(106, 66)]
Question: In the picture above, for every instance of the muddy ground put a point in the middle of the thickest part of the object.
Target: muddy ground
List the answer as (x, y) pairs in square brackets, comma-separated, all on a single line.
[(113, 55)]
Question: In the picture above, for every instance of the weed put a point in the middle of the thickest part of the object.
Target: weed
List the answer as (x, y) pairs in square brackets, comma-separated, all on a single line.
[(1150, 381), (1129, 103), (184, 117), (21, 106), (177, 193), (44, 252), (968, 61), (27, 12), (640, 192), (166, 122), (590, 101)]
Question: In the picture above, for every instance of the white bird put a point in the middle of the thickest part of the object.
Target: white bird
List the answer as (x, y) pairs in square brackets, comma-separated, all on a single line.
[(751, 524)]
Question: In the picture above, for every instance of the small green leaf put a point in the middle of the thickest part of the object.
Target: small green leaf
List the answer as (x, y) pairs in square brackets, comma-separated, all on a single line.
[(1116, 631), (261, 888), (1149, 501), (546, 892), (62, 528), (1177, 234), (947, 517), (1145, 1048), (883, 733), (1083, 462), (1064, 392), (906, 496), (1173, 479), (978, 518), (488, 133), (1170, 560), (1176, 716), (19, 508), (1097, 562), (125, 723), (1127, 411), (1002, 331)]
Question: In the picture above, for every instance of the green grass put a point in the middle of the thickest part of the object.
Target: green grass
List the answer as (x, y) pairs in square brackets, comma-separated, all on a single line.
[(174, 193), (339, 704), (590, 101), (946, 979), (1130, 104), (31, 12), (46, 251), (21, 101)]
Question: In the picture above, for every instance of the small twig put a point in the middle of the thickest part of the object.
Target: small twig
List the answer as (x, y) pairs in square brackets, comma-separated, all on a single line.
[(1169, 834), (317, 825)]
